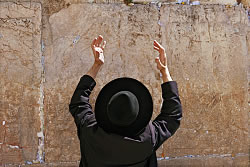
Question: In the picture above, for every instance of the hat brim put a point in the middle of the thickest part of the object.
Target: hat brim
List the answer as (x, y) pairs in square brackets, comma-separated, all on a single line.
[(145, 106)]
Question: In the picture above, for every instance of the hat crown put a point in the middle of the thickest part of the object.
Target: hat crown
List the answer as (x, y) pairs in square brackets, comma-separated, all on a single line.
[(127, 126), (123, 108)]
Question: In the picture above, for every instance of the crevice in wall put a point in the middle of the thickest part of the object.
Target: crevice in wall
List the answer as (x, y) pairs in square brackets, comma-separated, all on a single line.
[(158, 5), (205, 156), (41, 153)]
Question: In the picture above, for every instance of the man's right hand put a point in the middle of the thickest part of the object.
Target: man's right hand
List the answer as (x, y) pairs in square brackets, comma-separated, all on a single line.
[(161, 62), (98, 50)]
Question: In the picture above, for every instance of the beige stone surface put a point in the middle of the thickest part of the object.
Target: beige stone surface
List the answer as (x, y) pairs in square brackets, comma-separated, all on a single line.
[(129, 33), (204, 1), (231, 2), (246, 3), (208, 57), (248, 76), (20, 72), (208, 161), (217, 1)]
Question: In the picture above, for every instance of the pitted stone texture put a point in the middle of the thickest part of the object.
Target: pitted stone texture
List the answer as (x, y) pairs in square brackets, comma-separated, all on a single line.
[(208, 161), (246, 3), (248, 76), (225, 2), (207, 55), (20, 73), (221, 2), (129, 32), (217, 1), (203, 1)]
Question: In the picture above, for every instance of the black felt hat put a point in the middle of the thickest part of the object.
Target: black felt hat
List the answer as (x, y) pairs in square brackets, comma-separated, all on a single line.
[(124, 106)]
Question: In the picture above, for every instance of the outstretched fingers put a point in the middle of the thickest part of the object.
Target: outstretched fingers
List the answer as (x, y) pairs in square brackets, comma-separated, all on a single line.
[(162, 55), (93, 43), (104, 44), (99, 41), (159, 64), (156, 48), (156, 44), (157, 60)]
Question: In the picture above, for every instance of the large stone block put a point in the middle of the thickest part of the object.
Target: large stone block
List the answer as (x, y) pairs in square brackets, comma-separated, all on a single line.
[(20, 73), (217, 1), (207, 55), (208, 161), (129, 32)]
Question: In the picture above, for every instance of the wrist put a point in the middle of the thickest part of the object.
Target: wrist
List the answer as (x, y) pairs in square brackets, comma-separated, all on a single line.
[(164, 72), (94, 70), (97, 65), (166, 75)]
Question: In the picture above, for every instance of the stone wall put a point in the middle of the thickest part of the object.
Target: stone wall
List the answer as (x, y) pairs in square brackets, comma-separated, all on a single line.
[(20, 71), (45, 49)]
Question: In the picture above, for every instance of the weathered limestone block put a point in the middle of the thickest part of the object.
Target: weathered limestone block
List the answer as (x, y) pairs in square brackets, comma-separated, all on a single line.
[(207, 54), (20, 73), (129, 32), (54, 164), (93, 1), (246, 3), (227, 2), (208, 161), (217, 1), (248, 76)]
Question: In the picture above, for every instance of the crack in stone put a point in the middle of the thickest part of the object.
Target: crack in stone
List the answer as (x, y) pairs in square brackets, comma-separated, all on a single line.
[(41, 153), (204, 156), (158, 5)]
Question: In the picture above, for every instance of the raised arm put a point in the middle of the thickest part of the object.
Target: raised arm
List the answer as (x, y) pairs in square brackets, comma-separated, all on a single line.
[(168, 121), (79, 106)]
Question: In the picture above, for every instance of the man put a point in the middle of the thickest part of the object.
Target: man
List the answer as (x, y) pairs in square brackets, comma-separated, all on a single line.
[(120, 133)]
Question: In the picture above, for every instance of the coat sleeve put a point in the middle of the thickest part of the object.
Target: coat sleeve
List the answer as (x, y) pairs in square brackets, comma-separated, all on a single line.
[(79, 106), (168, 121)]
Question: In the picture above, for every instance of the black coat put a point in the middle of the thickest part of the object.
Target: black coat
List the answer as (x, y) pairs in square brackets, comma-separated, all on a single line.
[(102, 149)]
